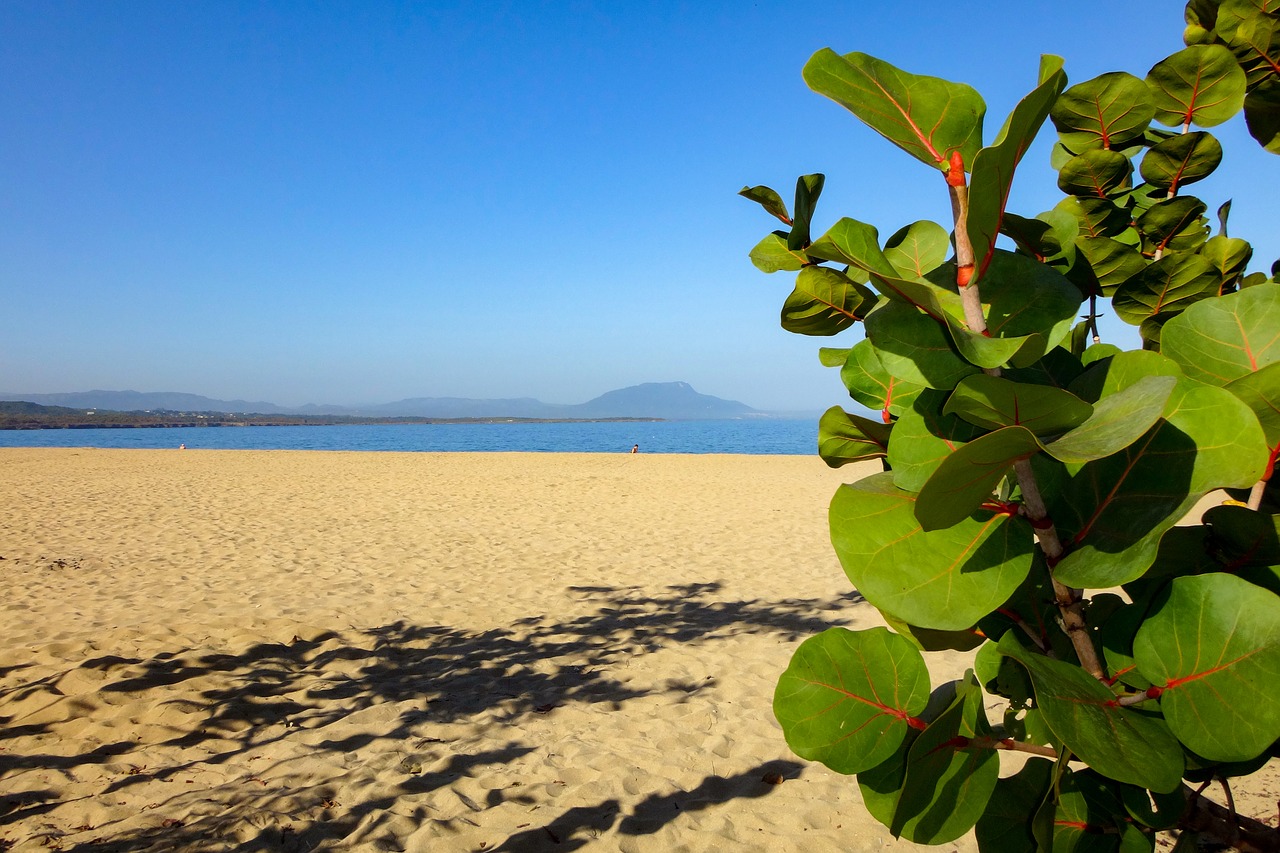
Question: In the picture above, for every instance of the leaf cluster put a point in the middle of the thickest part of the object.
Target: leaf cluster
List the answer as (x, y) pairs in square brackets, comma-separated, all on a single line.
[(1035, 482)]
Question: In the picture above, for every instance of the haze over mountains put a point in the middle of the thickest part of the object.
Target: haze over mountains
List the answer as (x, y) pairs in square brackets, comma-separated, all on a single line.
[(669, 400)]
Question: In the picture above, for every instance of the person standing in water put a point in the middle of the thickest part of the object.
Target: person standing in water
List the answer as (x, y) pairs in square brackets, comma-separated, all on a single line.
[(635, 448)]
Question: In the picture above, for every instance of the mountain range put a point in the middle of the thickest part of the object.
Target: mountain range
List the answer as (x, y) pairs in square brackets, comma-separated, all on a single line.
[(668, 400)]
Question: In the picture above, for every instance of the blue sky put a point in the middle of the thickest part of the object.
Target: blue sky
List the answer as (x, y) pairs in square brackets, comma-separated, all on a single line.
[(361, 202)]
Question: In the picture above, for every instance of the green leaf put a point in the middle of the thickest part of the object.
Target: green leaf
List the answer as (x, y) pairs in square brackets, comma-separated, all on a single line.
[(1262, 115), (833, 356), (1112, 513), (1111, 262), (1177, 223), (808, 188), (1118, 371), (993, 402), (1228, 256), (847, 695), (1242, 538), (1200, 85), (1116, 633), (1260, 391), (1085, 820), (1117, 421), (1117, 742), (1057, 369), (966, 479), (915, 347), (772, 255), (944, 579), (1098, 173), (927, 117), (993, 167), (873, 386), (1182, 160), (825, 302), (947, 787), (922, 437), (1006, 825), (1214, 646), (1256, 45), (1168, 286), (918, 248), (1025, 298), (1158, 811), (1110, 111), (1098, 217), (931, 640), (769, 200), (845, 438), (1219, 340), (1051, 234)]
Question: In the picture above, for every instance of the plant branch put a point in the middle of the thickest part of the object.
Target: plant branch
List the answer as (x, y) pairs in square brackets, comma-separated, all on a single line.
[(1222, 824), (1013, 746), (1067, 598)]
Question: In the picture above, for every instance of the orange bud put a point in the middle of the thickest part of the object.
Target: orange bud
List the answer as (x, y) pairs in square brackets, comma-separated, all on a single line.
[(964, 275), (955, 174)]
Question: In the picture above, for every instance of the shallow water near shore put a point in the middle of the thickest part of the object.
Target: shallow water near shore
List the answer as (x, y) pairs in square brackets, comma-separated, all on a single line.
[(772, 437)]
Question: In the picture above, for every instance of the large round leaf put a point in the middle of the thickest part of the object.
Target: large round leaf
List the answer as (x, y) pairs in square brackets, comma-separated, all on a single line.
[(768, 198), (1098, 217), (914, 347), (1173, 224), (1109, 111), (945, 579), (1201, 85), (844, 438), (1222, 339), (927, 117), (1111, 262), (1022, 297), (1113, 511), (1182, 160), (1117, 421), (1171, 284), (1256, 45), (922, 437), (772, 255), (936, 788), (1262, 115), (967, 478), (1214, 646), (847, 696), (1260, 391), (917, 248), (825, 302), (1006, 825), (1120, 743), (1098, 172), (993, 402), (873, 386)]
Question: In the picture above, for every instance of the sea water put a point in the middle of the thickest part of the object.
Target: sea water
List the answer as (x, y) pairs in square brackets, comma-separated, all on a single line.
[(754, 436)]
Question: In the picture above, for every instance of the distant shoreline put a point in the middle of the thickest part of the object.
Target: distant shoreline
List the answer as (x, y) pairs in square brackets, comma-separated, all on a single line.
[(116, 420)]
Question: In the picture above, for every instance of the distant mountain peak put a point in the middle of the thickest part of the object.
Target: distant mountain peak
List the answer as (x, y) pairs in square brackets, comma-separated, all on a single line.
[(669, 400)]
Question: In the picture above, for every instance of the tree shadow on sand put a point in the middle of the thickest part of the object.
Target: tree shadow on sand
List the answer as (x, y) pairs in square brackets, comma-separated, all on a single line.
[(229, 707)]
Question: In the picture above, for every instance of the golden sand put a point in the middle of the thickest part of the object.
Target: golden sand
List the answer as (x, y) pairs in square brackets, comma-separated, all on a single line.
[(241, 650)]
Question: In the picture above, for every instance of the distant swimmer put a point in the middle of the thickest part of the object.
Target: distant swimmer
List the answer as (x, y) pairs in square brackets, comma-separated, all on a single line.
[(635, 448), (182, 447)]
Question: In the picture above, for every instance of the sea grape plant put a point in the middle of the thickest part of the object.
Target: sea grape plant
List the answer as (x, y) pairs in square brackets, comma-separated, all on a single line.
[(1036, 481)]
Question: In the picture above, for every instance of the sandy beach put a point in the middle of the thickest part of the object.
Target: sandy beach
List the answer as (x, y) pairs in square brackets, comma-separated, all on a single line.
[(240, 650)]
